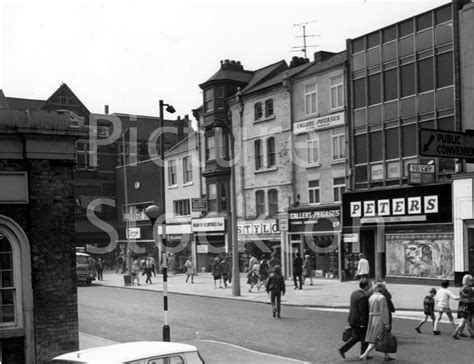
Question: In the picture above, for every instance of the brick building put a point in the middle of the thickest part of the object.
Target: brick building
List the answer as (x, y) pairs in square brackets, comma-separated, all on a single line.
[(38, 314)]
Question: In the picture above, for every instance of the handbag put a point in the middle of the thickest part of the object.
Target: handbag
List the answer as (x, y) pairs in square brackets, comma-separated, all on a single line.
[(346, 333), (386, 343)]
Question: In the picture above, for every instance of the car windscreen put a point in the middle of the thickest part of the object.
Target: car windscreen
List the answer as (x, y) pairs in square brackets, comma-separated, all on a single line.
[(82, 260)]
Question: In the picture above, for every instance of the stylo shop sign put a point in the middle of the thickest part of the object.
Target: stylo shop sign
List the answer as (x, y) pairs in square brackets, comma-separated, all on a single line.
[(395, 207)]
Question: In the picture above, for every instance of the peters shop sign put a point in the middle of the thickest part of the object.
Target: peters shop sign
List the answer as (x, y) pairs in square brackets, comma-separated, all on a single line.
[(431, 204)]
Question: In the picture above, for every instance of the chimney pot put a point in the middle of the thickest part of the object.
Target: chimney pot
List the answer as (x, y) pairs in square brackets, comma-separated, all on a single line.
[(106, 109)]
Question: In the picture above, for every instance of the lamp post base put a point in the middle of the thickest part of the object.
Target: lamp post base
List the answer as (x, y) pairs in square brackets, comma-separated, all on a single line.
[(166, 333)]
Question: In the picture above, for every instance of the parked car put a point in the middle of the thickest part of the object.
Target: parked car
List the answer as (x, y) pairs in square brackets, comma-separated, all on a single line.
[(143, 352), (85, 268)]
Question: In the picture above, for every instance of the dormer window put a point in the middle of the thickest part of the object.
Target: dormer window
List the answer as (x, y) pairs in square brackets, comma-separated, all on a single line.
[(219, 98), (258, 110)]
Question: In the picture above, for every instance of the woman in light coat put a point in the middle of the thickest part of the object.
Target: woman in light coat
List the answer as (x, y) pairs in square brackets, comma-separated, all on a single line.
[(189, 270), (379, 321)]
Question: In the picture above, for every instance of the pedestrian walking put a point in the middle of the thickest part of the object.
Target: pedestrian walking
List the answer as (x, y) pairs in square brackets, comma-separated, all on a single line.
[(383, 289), (225, 269), (189, 270), (148, 270), (363, 268), (99, 267), (124, 264), (275, 286), (252, 275), (307, 269), (298, 271), (274, 260), (428, 310), (378, 320), (358, 318), (135, 272), (464, 308), (172, 264), (442, 304), (216, 272), (263, 273), (153, 264), (119, 262)]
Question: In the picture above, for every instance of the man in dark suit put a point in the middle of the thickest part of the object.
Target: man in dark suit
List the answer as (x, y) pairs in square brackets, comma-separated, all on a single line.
[(298, 271), (358, 318)]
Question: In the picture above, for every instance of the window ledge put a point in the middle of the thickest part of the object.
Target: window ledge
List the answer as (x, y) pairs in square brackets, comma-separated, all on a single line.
[(338, 161), (173, 187), (313, 165), (263, 119), (263, 170), (188, 184)]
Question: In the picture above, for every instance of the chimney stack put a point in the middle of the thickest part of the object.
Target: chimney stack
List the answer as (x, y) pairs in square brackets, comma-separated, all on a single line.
[(106, 109)]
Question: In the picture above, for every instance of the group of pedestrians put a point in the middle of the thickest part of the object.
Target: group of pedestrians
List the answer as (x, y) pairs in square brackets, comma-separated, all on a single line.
[(142, 266), (302, 270), (370, 317), (259, 271), (440, 302), (221, 271)]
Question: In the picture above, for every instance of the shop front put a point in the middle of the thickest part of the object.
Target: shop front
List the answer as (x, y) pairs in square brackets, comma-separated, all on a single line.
[(211, 241), (406, 233), (316, 231), (259, 238)]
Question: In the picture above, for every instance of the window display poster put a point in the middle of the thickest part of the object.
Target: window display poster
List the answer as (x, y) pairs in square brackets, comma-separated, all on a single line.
[(420, 255)]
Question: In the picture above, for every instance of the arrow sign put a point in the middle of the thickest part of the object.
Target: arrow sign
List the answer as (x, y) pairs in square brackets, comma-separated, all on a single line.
[(446, 144)]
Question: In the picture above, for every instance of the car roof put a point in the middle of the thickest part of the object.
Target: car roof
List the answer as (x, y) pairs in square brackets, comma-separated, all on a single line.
[(120, 353), (82, 254)]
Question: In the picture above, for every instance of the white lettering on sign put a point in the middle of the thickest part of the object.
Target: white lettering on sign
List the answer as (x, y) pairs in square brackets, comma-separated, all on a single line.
[(395, 207)]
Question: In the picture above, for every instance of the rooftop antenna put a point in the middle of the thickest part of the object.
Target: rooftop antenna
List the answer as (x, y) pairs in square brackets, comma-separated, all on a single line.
[(304, 36)]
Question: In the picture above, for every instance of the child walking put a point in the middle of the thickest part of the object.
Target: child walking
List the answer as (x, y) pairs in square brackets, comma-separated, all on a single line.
[(442, 299), (428, 309)]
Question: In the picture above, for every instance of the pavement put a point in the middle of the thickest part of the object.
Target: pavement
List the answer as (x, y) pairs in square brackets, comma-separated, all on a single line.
[(324, 294)]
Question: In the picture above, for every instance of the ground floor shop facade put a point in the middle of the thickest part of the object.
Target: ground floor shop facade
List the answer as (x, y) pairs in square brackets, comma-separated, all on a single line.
[(406, 234)]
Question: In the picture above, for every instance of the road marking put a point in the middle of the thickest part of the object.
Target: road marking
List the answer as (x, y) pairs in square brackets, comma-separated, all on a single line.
[(256, 352)]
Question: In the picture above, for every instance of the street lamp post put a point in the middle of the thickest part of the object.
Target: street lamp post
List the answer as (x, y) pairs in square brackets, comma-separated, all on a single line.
[(153, 213)]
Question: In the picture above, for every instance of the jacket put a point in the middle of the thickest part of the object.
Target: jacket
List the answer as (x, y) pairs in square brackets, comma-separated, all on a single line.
[(359, 309), (275, 283)]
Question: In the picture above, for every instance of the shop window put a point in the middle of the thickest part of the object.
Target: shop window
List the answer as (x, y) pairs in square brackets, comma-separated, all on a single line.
[(187, 170), (360, 142), (361, 173), (406, 28), (424, 21), (390, 84), (339, 186), (181, 207), (376, 146), (260, 203), (211, 197), (443, 15), (210, 148), (389, 51), (258, 111), (407, 79), (258, 154), (220, 98), (271, 152), (337, 92), (425, 75), (268, 108), (409, 140), (338, 144), (209, 100), (313, 191), (407, 46), (424, 40), (375, 92), (389, 34), (311, 100), (312, 147), (392, 149), (444, 69), (272, 203), (9, 304), (172, 176), (443, 34), (359, 93)]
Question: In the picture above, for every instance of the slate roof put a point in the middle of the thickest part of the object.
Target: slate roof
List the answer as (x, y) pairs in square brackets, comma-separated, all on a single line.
[(226, 75), (183, 145), (24, 104), (261, 74), (337, 60)]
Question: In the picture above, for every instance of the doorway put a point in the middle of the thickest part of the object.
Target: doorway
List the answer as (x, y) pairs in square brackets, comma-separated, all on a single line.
[(367, 246), (470, 249)]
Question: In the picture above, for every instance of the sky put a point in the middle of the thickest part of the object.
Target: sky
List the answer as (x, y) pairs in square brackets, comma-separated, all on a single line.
[(131, 54)]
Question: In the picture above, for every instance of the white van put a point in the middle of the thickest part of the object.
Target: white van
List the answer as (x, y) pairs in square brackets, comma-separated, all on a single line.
[(85, 268)]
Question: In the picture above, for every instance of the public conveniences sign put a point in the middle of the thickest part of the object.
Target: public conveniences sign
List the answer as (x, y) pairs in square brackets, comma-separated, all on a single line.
[(448, 144)]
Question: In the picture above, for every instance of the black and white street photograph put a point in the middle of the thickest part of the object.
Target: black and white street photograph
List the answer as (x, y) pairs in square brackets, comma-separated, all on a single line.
[(236, 182)]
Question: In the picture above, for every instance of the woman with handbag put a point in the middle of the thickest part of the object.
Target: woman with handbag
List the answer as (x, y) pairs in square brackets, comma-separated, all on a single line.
[(379, 321)]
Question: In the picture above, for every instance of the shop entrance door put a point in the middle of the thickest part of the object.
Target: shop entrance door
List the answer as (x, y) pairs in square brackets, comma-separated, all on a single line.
[(367, 246), (470, 248)]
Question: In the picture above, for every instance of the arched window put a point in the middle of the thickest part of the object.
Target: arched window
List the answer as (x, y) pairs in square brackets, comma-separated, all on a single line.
[(9, 308)]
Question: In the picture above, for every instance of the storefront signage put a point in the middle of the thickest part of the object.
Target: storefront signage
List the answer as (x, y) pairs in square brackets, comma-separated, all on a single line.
[(421, 173), (257, 227), (133, 233), (395, 206), (328, 121), (448, 144), (199, 204), (283, 222), (351, 238), (315, 220), (208, 224)]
